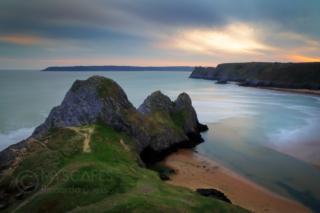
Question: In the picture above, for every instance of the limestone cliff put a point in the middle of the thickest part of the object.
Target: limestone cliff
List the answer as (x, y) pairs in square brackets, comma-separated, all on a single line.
[(157, 126), (179, 125), (282, 75)]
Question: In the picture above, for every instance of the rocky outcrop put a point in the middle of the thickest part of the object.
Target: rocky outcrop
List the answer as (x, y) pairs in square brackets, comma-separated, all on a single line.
[(159, 125), (86, 101), (156, 102), (181, 126), (12, 156), (282, 75), (213, 193), (203, 73), (221, 81)]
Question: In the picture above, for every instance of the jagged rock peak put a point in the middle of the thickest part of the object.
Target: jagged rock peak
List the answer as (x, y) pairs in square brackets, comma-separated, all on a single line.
[(156, 101), (184, 104), (181, 107), (183, 100), (85, 102)]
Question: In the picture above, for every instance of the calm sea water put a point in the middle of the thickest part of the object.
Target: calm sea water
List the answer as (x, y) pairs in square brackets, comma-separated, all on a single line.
[(246, 125)]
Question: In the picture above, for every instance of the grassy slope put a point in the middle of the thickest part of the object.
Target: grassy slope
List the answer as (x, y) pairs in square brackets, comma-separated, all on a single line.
[(121, 187)]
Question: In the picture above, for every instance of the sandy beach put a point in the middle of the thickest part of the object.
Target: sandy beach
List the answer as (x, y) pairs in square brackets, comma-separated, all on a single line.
[(194, 171), (303, 91)]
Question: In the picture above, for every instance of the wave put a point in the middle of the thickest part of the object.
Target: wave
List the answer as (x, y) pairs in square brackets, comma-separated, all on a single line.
[(302, 143), (308, 132), (14, 137), (317, 99)]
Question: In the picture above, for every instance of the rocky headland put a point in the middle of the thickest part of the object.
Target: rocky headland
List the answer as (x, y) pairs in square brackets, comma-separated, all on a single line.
[(90, 154), (265, 74), (158, 127)]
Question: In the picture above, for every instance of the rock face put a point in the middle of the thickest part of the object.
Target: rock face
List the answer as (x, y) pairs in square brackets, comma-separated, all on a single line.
[(180, 126), (12, 156), (158, 125), (282, 75), (203, 73), (157, 102), (222, 81), (213, 194), (87, 101)]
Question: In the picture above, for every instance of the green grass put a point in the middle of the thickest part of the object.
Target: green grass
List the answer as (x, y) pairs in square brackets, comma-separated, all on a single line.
[(107, 179), (178, 118), (107, 88)]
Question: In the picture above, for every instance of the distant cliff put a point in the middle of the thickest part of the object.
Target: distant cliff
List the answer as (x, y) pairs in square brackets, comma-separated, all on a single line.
[(282, 75), (118, 68)]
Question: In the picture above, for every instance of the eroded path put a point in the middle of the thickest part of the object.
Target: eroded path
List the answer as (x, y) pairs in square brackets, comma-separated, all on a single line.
[(86, 132), (86, 147)]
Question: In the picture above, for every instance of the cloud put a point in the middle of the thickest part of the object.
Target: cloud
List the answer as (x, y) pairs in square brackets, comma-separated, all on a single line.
[(240, 42), (299, 58), (204, 31), (25, 40), (235, 38), (49, 60)]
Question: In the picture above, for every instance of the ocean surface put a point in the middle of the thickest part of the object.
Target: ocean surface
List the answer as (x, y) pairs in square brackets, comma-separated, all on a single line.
[(257, 133)]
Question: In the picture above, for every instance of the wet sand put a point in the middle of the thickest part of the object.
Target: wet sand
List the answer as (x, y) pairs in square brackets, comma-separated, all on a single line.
[(303, 91), (194, 171), (306, 151)]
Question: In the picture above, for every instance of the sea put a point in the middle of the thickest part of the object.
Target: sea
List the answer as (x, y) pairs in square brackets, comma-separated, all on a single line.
[(269, 137)]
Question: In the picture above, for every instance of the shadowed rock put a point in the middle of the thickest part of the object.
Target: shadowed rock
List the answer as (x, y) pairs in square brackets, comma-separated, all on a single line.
[(222, 81), (164, 177), (213, 194), (180, 114)]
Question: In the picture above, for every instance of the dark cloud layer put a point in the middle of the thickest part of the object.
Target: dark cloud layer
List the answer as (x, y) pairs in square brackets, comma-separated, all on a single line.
[(125, 25)]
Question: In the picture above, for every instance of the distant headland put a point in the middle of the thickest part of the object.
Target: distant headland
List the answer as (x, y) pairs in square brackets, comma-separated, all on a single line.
[(265, 74), (119, 68)]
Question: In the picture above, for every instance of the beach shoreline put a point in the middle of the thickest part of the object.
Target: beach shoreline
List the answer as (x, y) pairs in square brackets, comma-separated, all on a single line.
[(194, 171), (298, 91)]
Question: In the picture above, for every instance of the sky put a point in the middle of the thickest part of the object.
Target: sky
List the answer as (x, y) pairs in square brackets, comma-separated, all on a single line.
[(35, 34)]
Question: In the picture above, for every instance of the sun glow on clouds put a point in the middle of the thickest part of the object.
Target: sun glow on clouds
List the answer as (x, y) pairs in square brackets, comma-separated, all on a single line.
[(237, 42), (102, 62), (25, 40), (244, 42), (33, 61), (237, 38), (299, 58)]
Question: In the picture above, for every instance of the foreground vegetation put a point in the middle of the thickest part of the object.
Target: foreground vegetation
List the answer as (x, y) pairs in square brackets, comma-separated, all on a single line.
[(104, 178)]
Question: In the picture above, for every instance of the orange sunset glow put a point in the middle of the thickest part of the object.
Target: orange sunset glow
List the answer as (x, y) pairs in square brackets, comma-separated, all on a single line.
[(155, 34), (24, 40)]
